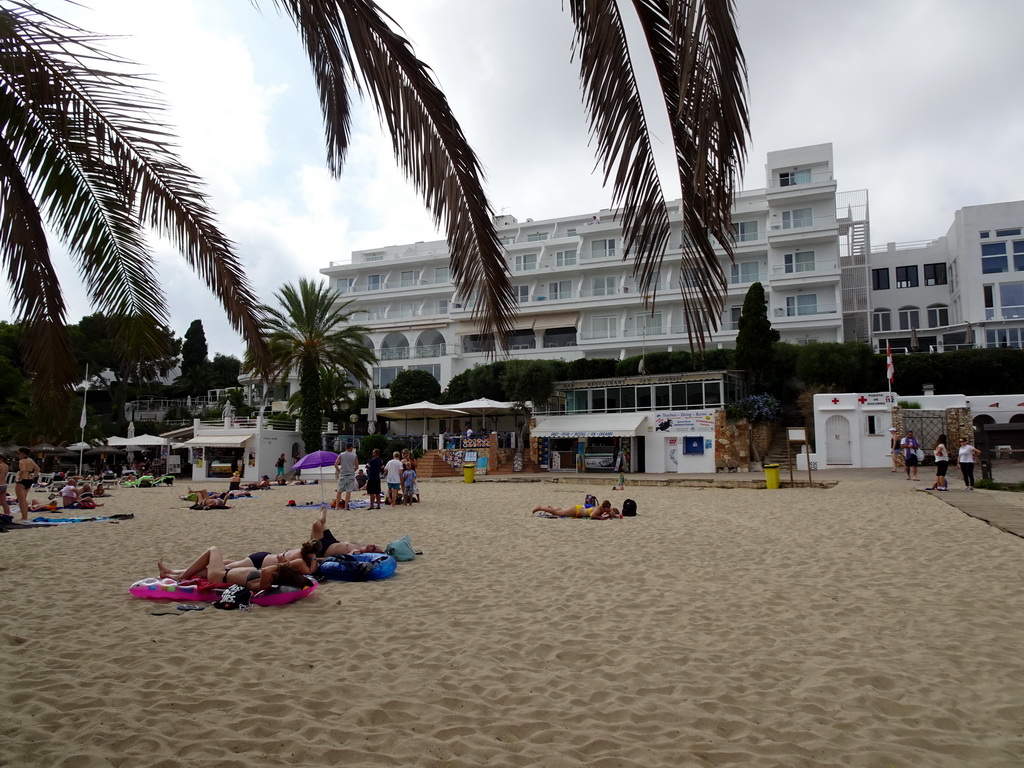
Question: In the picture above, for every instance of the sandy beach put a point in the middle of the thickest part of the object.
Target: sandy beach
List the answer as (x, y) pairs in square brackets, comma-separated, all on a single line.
[(863, 625)]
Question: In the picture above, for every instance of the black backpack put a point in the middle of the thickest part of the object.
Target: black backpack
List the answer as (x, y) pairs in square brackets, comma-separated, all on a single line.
[(629, 508)]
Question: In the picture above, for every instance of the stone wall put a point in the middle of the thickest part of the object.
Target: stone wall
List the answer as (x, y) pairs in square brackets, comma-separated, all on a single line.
[(732, 444)]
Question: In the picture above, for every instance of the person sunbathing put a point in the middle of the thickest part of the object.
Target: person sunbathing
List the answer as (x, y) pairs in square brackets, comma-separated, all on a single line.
[(263, 483), (211, 566), (206, 500), (302, 559), (603, 512), (329, 545)]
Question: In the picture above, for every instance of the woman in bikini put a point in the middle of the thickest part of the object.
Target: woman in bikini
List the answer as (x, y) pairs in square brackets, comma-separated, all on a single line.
[(211, 566), (28, 471), (4, 470), (603, 512)]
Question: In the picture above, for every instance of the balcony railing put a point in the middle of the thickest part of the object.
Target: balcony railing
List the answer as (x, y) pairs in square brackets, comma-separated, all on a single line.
[(591, 292), (794, 226), (745, 278), (800, 268), (395, 353), (797, 181), (600, 333), (806, 310)]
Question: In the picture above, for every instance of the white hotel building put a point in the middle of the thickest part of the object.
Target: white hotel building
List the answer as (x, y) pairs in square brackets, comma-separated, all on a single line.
[(807, 244)]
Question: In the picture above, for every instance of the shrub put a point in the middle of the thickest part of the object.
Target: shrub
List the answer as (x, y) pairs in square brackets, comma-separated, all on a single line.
[(763, 407)]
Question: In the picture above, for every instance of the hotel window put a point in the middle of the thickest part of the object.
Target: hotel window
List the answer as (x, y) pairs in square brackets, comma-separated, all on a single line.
[(345, 284), (565, 258), (910, 318), (410, 278), (799, 262), (880, 279), (373, 257), (1018, 255), (938, 315), (560, 290), (745, 231), (603, 286), (605, 327), (383, 377), (990, 304), (983, 235), (522, 293), (1011, 300), (652, 325), (792, 178), (407, 309), (374, 282), (804, 304), (570, 232), (906, 277), (600, 249), (993, 258), (525, 262), (881, 320), (442, 307), (535, 237), (799, 217), (1003, 337), (744, 272), (441, 275), (734, 317), (1014, 232), (935, 274)]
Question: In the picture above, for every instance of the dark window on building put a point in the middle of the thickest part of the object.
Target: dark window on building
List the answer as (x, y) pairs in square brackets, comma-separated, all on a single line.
[(935, 274), (880, 279), (906, 277)]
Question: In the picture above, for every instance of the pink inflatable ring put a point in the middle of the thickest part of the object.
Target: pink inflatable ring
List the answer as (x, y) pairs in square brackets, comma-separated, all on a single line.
[(169, 589)]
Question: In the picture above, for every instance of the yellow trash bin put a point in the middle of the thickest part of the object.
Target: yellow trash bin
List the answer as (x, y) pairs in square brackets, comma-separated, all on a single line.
[(469, 472), (771, 475)]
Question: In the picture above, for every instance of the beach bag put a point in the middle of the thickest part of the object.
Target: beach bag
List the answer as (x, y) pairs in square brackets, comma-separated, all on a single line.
[(235, 598), (401, 549), (629, 508), (590, 500)]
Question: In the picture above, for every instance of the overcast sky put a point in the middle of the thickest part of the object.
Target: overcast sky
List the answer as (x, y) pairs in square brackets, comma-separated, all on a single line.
[(920, 98)]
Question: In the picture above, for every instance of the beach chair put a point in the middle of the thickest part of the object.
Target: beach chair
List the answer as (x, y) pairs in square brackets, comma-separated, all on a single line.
[(44, 480)]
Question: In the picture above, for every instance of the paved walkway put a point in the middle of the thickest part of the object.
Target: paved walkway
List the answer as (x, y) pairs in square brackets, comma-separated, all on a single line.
[(987, 507)]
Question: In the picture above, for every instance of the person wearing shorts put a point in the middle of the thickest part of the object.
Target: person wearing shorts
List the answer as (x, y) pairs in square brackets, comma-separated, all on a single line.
[(393, 471), (345, 467), (909, 446)]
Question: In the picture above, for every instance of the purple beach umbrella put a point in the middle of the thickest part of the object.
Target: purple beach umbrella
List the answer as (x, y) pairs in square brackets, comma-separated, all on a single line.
[(315, 460)]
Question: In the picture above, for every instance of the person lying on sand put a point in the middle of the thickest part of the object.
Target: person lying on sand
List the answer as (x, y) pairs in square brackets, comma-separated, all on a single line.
[(211, 566), (604, 512), (330, 546), (263, 483), (206, 500), (302, 560)]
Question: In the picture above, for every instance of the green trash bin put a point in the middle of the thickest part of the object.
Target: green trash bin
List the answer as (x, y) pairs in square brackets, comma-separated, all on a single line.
[(771, 475), (469, 472)]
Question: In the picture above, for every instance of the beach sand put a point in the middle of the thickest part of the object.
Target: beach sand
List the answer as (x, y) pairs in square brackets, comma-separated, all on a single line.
[(862, 625)]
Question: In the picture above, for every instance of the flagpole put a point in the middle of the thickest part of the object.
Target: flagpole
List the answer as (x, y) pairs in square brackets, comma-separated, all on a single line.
[(82, 420)]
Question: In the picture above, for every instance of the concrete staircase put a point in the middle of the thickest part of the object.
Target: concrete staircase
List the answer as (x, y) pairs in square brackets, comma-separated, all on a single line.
[(777, 452), (430, 464)]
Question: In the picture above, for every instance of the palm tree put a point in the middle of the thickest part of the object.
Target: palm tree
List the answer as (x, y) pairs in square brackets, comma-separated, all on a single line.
[(307, 333), (79, 148)]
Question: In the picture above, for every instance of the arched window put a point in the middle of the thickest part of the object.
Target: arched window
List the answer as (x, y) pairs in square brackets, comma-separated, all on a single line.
[(430, 344), (938, 315), (881, 320), (394, 347), (910, 318)]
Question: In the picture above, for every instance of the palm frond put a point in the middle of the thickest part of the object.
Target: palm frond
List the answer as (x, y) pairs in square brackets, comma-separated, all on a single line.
[(428, 142), (701, 76), (104, 170)]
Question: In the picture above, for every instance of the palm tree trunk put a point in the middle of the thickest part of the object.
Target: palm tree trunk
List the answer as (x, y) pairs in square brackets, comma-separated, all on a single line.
[(309, 382)]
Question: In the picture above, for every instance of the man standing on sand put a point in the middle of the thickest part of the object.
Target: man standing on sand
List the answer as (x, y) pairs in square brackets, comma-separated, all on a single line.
[(345, 467), (909, 446), (393, 470)]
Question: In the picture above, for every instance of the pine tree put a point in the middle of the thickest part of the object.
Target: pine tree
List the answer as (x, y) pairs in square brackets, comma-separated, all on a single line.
[(755, 342)]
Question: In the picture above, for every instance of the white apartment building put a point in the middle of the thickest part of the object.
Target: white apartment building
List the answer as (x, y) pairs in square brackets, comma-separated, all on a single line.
[(804, 242), (965, 289)]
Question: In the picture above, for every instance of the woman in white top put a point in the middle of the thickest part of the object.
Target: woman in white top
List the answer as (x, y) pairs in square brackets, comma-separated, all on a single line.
[(965, 460), (941, 464)]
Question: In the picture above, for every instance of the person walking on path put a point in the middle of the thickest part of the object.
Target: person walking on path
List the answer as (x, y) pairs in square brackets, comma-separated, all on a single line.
[(345, 467), (965, 459), (941, 464), (909, 446), (894, 449)]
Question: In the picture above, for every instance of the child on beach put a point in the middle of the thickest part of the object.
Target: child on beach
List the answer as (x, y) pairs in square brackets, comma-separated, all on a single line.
[(408, 483)]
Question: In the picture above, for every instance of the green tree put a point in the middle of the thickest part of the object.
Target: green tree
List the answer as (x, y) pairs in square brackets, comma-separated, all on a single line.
[(306, 334), (755, 342), (82, 153), (527, 381), (846, 367), (412, 386), (224, 371)]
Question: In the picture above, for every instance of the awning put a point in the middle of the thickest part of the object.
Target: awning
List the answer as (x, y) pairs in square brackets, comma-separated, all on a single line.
[(212, 440), (590, 425), (555, 320)]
